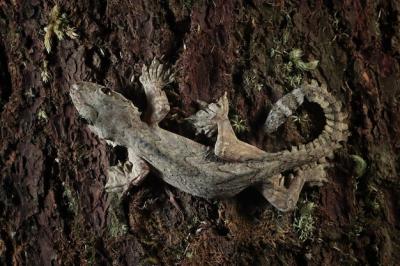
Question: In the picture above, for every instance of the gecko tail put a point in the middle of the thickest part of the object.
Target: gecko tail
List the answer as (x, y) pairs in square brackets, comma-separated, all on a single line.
[(283, 109), (336, 127), (334, 132)]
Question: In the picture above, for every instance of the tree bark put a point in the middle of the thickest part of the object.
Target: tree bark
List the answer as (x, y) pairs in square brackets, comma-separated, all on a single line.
[(53, 206)]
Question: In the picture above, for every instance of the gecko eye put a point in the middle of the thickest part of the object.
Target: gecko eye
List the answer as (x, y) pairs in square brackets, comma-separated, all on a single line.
[(106, 91)]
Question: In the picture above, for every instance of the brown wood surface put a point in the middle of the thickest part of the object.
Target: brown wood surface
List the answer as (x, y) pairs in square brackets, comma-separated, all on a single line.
[(53, 206)]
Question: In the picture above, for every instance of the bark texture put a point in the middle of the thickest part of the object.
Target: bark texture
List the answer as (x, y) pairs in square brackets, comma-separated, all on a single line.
[(53, 206)]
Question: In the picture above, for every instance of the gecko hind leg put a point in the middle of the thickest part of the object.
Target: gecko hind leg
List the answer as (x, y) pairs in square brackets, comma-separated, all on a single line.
[(125, 174), (285, 199), (213, 118), (153, 79)]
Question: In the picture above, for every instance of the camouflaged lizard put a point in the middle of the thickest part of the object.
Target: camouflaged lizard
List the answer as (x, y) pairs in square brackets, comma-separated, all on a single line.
[(185, 164)]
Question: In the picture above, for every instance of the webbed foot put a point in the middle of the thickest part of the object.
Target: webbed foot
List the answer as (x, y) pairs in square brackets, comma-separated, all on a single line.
[(228, 147), (123, 175), (153, 79), (205, 121)]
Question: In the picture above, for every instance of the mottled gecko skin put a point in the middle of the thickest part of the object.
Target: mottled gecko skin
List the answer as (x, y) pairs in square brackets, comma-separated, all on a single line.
[(186, 164)]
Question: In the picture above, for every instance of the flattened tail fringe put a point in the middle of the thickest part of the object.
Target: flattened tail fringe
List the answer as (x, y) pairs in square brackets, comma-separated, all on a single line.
[(334, 132)]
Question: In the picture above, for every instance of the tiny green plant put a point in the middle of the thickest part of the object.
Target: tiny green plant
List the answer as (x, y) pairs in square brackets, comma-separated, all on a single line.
[(303, 121), (239, 124), (188, 3), (291, 64), (304, 224), (360, 166), (251, 82), (59, 27)]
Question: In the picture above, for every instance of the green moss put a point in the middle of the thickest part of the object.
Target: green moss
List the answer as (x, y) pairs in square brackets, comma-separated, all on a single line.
[(71, 199), (304, 223), (117, 224), (239, 125), (360, 166)]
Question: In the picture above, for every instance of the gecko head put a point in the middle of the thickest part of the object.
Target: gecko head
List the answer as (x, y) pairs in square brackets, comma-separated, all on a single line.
[(102, 107)]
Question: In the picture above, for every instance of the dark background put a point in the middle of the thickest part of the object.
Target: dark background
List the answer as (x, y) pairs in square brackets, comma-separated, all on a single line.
[(53, 207)]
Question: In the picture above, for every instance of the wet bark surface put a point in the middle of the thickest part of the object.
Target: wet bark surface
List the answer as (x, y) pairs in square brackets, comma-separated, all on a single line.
[(53, 206)]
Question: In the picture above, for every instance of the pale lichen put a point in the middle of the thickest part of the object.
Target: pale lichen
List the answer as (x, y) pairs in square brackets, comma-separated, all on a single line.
[(59, 27), (45, 73), (295, 57)]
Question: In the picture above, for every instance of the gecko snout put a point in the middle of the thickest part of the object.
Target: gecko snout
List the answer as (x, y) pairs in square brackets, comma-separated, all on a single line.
[(85, 110)]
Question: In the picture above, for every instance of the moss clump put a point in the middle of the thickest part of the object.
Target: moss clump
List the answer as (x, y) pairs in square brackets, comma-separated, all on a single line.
[(58, 26), (360, 166), (304, 224)]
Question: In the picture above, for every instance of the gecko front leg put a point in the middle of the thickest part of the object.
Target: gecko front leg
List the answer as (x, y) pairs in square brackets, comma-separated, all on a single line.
[(125, 174), (120, 178), (135, 169), (153, 79)]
